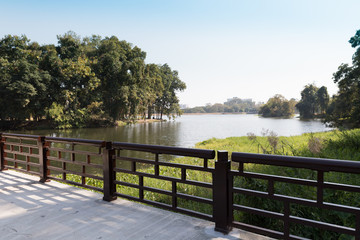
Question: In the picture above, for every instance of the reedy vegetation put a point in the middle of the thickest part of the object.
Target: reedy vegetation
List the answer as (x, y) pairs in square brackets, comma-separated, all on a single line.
[(334, 145), (82, 80)]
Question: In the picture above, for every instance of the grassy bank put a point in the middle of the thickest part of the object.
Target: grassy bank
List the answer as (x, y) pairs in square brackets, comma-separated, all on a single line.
[(334, 144)]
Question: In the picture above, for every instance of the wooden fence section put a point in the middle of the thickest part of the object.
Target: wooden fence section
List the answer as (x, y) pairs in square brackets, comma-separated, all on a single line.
[(22, 153), (288, 214), (64, 156), (107, 167), (172, 181)]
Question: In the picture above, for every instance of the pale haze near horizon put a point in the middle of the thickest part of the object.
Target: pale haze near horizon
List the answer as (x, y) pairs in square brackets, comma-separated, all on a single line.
[(221, 49)]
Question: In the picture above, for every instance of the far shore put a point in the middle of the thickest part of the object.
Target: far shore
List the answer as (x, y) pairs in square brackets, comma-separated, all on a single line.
[(218, 113)]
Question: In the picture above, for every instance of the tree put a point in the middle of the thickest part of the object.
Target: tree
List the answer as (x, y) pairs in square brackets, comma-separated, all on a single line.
[(69, 45), (345, 106), (308, 106), (154, 87), (14, 48), (121, 71), (323, 99), (22, 84), (277, 106), (168, 103)]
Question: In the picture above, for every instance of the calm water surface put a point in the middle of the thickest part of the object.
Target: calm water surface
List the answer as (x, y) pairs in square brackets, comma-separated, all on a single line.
[(187, 130)]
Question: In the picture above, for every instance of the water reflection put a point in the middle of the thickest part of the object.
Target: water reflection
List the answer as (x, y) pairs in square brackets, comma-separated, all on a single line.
[(187, 130)]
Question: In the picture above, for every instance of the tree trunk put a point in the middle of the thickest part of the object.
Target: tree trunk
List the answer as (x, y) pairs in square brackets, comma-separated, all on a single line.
[(149, 112)]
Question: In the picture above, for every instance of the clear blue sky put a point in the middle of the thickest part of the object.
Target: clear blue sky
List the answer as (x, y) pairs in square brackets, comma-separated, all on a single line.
[(222, 49)]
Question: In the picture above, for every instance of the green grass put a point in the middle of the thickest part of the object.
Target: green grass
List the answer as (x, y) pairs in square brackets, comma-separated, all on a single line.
[(335, 145), (164, 185)]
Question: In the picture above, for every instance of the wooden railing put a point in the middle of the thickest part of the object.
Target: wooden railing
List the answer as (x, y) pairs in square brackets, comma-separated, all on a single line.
[(173, 180), (101, 166), (289, 204)]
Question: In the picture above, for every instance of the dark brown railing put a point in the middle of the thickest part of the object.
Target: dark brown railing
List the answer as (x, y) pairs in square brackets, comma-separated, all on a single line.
[(319, 166), (101, 166), (22, 152), (156, 164), (64, 158)]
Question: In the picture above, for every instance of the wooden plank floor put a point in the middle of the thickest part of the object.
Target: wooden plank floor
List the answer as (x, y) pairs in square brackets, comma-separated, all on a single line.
[(33, 210)]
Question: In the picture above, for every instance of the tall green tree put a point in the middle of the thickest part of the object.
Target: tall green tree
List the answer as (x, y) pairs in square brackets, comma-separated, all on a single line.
[(323, 99), (168, 103), (152, 89), (345, 107), (308, 105), (22, 84), (120, 67)]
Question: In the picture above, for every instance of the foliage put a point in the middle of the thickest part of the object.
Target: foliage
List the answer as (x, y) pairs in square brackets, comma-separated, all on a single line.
[(344, 109), (314, 100), (323, 99), (277, 106), (169, 102), (79, 81), (22, 82)]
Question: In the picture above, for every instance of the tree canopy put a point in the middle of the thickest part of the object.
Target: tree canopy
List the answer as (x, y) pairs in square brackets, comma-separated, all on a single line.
[(278, 106), (314, 101), (83, 79), (344, 109)]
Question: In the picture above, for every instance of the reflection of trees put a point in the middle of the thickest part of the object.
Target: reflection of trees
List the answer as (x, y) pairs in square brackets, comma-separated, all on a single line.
[(158, 133)]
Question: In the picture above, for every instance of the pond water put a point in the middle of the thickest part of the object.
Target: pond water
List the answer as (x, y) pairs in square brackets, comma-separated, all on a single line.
[(187, 130)]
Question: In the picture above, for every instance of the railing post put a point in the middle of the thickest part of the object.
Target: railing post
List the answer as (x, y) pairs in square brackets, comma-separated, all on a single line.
[(109, 174), (221, 193), (2, 153), (43, 160)]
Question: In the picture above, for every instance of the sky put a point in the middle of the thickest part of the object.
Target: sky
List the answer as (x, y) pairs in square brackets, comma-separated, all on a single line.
[(221, 48)]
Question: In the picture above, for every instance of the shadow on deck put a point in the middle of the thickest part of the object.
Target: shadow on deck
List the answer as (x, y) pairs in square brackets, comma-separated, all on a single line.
[(33, 210)]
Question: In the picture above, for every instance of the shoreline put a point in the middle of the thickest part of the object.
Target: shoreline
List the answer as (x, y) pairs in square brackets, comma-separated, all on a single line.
[(220, 113), (50, 125), (139, 121)]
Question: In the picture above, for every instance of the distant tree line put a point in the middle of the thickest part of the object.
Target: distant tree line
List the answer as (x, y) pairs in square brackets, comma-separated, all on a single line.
[(81, 80), (233, 105)]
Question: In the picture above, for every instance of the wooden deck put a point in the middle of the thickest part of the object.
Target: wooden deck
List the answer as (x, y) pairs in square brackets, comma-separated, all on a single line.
[(33, 210)]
